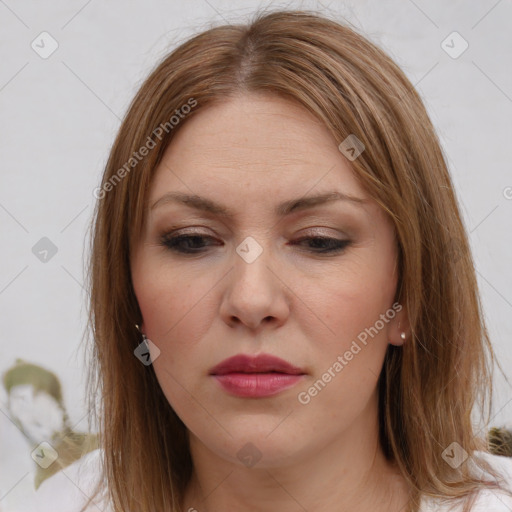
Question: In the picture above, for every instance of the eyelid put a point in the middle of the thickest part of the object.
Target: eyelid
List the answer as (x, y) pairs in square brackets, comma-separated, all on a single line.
[(321, 230)]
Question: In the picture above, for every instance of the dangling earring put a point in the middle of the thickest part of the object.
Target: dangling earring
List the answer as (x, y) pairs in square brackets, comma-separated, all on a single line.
[(146, 351), (143, 335)]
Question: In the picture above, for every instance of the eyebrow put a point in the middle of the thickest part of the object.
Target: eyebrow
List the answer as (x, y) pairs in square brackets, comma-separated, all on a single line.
[(207, 205)]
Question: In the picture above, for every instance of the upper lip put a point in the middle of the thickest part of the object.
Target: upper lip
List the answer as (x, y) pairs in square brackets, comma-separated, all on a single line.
[(262, 363)]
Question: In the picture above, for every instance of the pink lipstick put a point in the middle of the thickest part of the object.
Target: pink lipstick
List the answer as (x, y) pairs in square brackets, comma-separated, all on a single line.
[(256, 376)]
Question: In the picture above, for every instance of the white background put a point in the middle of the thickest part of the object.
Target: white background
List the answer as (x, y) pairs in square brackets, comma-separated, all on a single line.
[(59, 116)]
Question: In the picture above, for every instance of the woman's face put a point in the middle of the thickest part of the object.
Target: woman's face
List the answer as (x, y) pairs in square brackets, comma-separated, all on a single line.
[(257, 278)]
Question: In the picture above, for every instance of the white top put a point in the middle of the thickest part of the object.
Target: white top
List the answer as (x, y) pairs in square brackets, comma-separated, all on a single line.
[(66, 491), (487, 500)]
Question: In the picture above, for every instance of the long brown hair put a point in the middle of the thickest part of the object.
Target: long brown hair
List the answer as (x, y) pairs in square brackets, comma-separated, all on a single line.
[(429, 386)]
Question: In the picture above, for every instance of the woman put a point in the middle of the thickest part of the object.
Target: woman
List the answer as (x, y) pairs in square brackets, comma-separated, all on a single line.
[(283, 300)]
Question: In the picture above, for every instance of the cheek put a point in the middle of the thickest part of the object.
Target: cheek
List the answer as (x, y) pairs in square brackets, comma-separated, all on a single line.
[(355, 301), (176, 307), (177, 317), (349, 357)]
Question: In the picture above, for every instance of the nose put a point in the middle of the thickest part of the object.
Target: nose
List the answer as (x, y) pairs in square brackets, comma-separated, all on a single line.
[(255, 294)]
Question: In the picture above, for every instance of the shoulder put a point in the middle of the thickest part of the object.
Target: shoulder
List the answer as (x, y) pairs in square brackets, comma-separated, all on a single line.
[(488, 500), (69, 489)]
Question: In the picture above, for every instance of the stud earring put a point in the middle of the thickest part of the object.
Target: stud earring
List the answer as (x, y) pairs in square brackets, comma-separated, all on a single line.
[(402, 335)]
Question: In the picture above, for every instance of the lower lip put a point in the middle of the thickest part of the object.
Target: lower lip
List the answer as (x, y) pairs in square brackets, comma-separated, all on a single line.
[(257, 385)]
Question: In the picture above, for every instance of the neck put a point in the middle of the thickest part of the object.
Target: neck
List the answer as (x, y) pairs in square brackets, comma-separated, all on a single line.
[(350, 473)]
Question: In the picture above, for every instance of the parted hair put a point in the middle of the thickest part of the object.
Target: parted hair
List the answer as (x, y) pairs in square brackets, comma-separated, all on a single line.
[(429, 387)]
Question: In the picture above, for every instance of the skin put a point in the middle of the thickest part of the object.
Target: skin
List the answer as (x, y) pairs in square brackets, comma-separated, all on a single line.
[(250, 153)]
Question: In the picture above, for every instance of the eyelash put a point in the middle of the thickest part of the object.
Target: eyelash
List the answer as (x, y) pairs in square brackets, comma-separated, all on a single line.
[(173, 244)]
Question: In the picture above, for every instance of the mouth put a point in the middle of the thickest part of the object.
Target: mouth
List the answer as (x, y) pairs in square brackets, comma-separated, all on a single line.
[(256, 376), (249, 364)]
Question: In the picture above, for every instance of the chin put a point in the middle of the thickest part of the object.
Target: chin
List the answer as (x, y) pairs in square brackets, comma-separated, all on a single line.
[(262, 446)]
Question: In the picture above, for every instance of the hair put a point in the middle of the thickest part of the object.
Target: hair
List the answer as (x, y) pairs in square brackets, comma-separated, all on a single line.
[(428, 387)]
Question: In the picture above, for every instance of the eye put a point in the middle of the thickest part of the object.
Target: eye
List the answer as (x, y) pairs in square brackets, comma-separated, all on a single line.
[(195, 244), (186, 244), (325, 245)]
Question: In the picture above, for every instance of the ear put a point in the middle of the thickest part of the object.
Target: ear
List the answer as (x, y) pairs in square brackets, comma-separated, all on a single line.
[(399, 330)]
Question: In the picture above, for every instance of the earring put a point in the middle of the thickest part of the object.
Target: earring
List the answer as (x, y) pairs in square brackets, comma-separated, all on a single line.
[(402, 335), (146, 351), (143, 335)]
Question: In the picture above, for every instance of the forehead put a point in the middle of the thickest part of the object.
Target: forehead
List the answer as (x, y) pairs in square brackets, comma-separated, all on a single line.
[(251, 146)]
